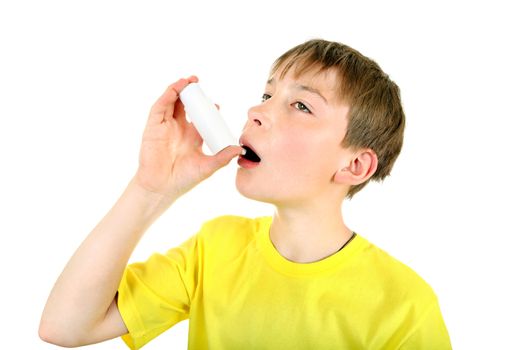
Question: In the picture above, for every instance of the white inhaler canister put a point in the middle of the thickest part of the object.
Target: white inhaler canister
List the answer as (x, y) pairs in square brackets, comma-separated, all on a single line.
[(206, 118)]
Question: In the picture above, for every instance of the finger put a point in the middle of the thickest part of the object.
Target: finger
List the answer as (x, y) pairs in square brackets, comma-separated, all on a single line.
[(164, 106), (170, 113), (223, 158), (178, 111), (193, 79), (179, 115), (193, 134)]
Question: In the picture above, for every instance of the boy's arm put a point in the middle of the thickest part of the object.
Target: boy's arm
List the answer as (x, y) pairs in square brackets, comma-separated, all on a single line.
[(82, 308)]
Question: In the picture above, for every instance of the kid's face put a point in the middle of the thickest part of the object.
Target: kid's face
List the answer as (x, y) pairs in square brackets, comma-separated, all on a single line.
[(296, 131)]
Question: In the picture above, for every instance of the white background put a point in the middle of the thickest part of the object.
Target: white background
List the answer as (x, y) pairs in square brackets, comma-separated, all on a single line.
[(77, 80)]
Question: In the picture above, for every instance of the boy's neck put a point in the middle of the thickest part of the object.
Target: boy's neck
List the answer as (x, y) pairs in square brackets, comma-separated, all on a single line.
[(311, 234)]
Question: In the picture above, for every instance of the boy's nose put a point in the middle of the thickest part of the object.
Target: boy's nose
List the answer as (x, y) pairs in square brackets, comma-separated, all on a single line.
[(256, 116)]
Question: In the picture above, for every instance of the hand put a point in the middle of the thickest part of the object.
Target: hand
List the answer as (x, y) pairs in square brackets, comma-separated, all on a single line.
[(171, 160)]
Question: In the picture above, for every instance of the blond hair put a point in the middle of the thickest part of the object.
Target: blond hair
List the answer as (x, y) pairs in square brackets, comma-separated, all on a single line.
[(376, 119)]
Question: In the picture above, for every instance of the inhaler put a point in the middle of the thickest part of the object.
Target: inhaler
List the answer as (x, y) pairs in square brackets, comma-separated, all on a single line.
[(206, 118)]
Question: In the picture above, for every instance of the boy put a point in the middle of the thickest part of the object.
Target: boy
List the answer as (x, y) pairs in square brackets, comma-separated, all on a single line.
[(329, 121)]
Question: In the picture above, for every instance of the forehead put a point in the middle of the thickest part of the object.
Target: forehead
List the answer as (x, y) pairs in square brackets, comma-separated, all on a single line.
[(326, 81)]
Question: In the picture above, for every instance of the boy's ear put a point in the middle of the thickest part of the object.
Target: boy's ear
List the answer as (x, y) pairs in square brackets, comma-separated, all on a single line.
[(360, 168)]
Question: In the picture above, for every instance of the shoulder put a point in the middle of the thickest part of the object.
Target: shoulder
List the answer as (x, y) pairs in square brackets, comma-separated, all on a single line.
[(230, 225), (407, 303), (230, 232), (397, 279)]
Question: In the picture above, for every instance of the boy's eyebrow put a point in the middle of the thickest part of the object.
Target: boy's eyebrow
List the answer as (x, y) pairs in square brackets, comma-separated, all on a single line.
[(312, 90), (303, 87)]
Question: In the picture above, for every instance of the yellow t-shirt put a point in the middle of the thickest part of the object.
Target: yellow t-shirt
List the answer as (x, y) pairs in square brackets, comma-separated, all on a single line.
[(240, 293)]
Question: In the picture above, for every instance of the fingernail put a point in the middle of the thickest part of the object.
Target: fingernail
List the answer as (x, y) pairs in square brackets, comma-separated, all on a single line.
[(243, 152)]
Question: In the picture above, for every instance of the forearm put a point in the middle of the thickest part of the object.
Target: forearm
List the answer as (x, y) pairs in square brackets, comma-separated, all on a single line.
[(87, 286)]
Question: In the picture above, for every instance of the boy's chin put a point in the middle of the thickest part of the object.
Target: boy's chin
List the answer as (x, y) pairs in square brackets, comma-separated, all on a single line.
[(253, 194)]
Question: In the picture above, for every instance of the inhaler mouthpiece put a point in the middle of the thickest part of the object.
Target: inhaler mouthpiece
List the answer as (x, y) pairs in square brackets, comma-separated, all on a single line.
[(206, 118)]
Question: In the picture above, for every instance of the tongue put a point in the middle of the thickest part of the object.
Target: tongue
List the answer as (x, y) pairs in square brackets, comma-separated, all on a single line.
[(251, 155)]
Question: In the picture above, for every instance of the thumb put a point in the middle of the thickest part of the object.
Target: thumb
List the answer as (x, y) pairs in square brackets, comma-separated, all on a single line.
[(224, 157)]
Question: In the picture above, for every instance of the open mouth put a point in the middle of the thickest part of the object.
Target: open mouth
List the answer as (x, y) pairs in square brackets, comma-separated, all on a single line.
[(251, 155)]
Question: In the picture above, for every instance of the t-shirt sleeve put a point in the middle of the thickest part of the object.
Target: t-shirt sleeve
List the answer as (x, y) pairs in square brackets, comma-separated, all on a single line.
[(156, 294), (431, 333)]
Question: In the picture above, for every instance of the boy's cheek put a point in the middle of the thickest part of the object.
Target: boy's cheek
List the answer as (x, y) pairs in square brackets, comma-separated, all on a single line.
[(299, 157), (293, 149)]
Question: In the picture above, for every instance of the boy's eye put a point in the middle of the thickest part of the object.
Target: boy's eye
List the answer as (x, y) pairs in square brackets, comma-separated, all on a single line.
[(265, 97), (300, 106)]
